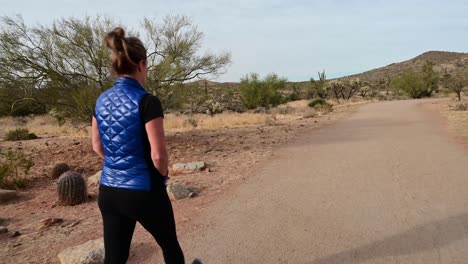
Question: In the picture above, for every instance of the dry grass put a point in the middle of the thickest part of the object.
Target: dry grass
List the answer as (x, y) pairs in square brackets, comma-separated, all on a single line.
[(43, 126), (225, 120), (47, 126)]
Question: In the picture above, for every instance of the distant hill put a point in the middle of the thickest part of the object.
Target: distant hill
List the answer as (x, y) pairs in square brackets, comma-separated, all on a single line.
[(450, 61)]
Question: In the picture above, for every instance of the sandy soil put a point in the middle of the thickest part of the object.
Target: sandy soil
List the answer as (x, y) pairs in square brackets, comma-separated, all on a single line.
[(455, 122), (232, 154)]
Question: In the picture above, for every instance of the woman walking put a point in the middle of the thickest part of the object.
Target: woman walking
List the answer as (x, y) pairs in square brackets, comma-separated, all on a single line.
[(128, 133)]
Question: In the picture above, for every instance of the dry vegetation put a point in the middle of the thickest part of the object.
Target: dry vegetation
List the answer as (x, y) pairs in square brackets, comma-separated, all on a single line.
[(43, 126), (46, 126)]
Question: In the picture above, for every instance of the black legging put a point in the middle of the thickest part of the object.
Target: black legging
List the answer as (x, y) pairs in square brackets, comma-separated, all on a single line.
[(122, 208)]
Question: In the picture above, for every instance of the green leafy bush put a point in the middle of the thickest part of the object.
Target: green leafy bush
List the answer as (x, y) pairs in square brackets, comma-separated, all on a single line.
[(321, 105), (19, 134), (317, 102), (14, 168), (417, 84), (267, 92)]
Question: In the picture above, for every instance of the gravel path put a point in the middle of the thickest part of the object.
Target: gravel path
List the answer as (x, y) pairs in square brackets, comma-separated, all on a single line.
[(383, 186)]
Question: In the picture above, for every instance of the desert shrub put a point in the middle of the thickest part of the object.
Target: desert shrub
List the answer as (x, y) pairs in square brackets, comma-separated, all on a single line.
[(321, 105), (210, 100), (294, 93), (14, 168), (317, 102), (461, 106), (381, 97), (369, 91), (325, 108), (417, 84), (456, 84), (261, 110), (27, 107), (282, 110), (191, 122), (271, 120), (17, 99), (19, 134), (77, 106), (410, 83), (256, 92), (309, 113)]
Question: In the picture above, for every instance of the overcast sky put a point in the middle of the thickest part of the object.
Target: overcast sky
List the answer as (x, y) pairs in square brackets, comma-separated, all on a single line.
[(294, 38)]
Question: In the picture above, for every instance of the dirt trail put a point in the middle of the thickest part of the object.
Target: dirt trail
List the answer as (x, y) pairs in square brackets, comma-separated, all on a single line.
[(383, 186)]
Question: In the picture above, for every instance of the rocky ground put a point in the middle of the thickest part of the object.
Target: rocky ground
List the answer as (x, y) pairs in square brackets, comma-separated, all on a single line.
[(39, 229), (454, 120)]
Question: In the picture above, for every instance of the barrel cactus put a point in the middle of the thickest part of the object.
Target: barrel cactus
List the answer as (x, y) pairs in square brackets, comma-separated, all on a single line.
[(71, 188), (59, 169)]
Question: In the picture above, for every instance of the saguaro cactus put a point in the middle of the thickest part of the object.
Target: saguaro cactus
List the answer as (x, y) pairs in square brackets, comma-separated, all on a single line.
[(71, 188)]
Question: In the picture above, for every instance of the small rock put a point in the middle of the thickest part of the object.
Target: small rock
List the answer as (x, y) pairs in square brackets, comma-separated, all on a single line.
[(177, 192), (94, 180), (189, 167), (51, 221), (91, 252), (3, 230), (6, 195), (15, 234)]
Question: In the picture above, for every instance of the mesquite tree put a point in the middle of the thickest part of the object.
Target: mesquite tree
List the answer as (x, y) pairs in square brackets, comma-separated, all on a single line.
[(456, 83)]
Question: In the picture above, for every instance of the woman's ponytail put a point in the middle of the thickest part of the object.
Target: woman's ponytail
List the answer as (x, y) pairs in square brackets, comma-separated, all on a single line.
[(126, 52)]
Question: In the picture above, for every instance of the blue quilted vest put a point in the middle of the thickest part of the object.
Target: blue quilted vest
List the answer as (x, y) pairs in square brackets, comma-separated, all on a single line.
[(121, 129)]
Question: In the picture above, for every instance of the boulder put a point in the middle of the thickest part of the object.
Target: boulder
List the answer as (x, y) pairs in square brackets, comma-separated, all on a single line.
[(94, 180), (91, 252), (177, 192), (189, 167), (6, 195)]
